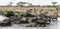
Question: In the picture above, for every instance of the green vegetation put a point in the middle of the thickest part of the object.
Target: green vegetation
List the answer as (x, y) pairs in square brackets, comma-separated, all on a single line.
[(43, 14), (9, 13), (29, 15)]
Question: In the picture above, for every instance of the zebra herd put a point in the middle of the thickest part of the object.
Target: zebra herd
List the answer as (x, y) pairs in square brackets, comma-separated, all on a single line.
[(36, 20)]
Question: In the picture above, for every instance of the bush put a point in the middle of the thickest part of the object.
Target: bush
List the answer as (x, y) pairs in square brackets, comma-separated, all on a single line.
[(43, 15), (8, 13), (29, 15), (5, 13), (16, 14)]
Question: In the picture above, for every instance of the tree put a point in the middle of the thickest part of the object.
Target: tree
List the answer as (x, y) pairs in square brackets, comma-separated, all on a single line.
[(54, 3), (10, 4), (21, 4), (24, 4), (55, 7)]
